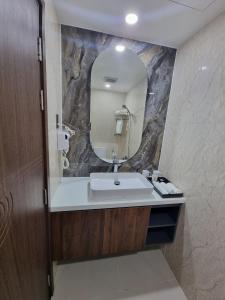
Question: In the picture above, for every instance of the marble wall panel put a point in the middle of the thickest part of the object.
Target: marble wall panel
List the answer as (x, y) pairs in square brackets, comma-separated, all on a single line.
[(80, 48), (193, 158)]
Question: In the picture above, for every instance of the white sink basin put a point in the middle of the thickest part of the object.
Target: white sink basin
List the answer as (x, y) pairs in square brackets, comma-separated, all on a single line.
[(133, 186)]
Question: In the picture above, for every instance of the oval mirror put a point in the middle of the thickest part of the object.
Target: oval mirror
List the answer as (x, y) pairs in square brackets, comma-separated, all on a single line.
[(118, 96)]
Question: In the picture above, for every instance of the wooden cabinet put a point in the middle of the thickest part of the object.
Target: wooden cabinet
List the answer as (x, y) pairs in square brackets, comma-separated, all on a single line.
[(95, 233)]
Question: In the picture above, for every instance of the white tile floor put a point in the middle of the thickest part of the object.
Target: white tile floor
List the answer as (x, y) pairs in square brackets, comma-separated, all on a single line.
[(141, 276)]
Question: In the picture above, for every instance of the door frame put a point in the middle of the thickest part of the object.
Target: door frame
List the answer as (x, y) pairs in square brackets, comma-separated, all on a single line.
[(43, 81)]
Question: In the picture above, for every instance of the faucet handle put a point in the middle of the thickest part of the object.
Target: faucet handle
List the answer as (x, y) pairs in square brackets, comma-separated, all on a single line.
[(116, 161), (114, 156)]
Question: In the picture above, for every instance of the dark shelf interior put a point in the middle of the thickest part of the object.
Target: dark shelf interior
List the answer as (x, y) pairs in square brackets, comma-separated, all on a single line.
[(160, 235), (164, 216), (162, 224)]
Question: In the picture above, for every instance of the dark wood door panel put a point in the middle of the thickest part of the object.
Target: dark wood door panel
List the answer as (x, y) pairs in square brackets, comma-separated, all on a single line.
[(23, 254), (8, 258), (6, 207), (23, 257), (20, 83)]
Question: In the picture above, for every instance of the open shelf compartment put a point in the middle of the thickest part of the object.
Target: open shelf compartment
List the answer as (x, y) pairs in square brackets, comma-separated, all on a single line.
[(164, 216), (162, 224), (161, 235)]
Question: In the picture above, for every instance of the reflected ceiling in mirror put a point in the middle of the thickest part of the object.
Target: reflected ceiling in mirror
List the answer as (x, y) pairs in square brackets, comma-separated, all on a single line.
[(118, 96)]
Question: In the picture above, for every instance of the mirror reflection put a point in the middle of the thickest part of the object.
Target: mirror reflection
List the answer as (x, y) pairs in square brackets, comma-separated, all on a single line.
[(118, 96)]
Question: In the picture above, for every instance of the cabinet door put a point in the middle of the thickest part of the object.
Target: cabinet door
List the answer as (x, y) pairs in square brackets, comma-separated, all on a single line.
[(125, 230), (82, 234), (77, 235)]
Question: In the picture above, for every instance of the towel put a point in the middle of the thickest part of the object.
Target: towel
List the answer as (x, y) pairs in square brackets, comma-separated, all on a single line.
[(119, 126), (160, 187)]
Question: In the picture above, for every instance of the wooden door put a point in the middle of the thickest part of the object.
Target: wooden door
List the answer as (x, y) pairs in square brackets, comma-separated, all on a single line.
[(125, 230), (23, 257)]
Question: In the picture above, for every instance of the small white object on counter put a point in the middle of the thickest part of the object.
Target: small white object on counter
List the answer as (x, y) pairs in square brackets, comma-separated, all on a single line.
[(161, 187), (166, 188), (72, 195), (146, 173), (155, 175), (172, 189)]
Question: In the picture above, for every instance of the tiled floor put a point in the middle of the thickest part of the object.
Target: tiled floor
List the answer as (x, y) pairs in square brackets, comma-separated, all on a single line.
[(141, 276)]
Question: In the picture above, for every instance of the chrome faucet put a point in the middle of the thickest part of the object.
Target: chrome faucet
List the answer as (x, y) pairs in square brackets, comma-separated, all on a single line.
[(115, 170)]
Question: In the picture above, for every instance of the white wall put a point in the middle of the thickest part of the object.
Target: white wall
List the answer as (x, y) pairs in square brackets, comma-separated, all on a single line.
[(193, 158), (103, 106), (54, 89), (135, 101)]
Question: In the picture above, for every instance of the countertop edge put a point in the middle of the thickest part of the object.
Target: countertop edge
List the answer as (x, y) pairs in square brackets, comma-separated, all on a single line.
[(96, 205)]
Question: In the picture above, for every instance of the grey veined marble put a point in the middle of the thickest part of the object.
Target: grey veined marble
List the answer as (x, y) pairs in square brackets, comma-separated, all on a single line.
[(80, 48)]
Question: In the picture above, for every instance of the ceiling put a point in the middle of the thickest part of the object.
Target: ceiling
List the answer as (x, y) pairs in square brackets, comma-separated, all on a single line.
[(110, 63), (163, 22)]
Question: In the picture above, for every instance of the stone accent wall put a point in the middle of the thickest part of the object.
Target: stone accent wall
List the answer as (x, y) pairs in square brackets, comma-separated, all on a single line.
[(80, 48)]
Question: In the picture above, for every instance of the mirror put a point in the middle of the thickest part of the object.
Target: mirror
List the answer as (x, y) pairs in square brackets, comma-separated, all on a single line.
[(118, 96)]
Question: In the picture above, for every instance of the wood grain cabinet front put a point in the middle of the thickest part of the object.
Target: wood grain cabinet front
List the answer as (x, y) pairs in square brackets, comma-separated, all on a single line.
[(125, 230), (87, 234)]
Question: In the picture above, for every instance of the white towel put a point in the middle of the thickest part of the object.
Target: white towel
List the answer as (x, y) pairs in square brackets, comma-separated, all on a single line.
[(119, 126), (172, 189), (160, 187)]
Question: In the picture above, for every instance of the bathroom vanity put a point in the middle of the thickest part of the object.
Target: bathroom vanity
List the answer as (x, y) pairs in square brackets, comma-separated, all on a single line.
[(84, 229), (118, 116)]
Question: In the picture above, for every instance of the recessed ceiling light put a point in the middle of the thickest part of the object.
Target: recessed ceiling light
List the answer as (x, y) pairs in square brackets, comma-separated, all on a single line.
[(131, 19), (120, 48), (203, 68), (108, 86)]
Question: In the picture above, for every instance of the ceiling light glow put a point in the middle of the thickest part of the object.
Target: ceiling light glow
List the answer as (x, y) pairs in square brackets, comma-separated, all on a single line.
[(131, 19), (120, 48), (203, 68), (108, 86)]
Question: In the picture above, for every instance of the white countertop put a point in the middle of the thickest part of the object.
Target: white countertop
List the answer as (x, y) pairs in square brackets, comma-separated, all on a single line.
[(72, 194)]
